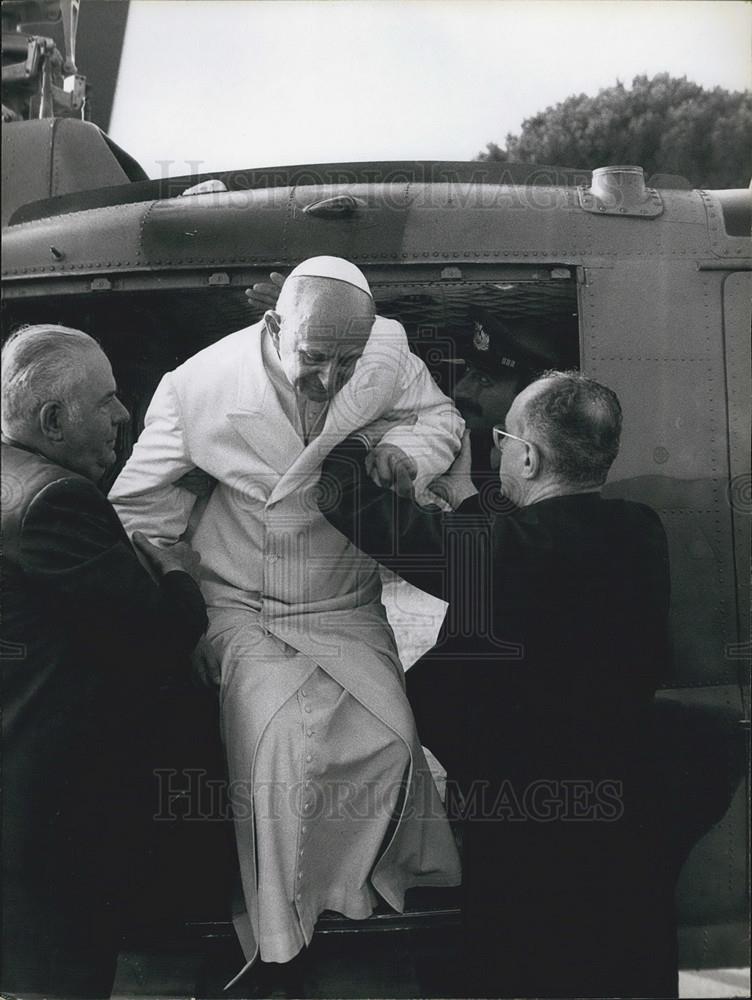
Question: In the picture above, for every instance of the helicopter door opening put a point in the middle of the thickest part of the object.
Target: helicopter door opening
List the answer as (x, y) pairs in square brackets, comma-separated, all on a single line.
[(449, 322), (146, 332)]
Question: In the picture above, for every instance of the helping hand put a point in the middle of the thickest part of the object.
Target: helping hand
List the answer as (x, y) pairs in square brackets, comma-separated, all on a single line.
[(206, 664), (455, 485), (159, 561), (264, 294), (390, 467)]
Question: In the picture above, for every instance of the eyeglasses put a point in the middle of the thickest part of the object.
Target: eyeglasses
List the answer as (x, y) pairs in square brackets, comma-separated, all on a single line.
[(499, 434)]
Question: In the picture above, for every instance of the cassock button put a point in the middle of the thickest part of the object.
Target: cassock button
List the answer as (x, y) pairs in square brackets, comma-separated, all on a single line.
[(309, 757), (300, 874), (308, 708)]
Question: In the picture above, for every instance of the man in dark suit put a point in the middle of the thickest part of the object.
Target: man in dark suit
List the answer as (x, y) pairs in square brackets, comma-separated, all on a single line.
[(560, 605), (90, 628), (501, 359)]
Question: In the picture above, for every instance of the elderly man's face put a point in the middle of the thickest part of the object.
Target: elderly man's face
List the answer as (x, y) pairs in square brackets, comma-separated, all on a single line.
[(482, 399), (321, 328), (90, 421), (317, 362)]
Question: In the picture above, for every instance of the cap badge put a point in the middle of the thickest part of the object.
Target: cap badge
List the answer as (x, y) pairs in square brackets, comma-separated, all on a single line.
[(481, 340)]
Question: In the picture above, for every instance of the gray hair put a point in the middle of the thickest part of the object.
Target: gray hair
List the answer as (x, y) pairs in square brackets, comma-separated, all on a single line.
[(39, 365), (579, 420)]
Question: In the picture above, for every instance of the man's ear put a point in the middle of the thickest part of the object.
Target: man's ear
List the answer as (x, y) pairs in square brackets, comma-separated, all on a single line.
[(532, 463), (50, 421), (272, 322)]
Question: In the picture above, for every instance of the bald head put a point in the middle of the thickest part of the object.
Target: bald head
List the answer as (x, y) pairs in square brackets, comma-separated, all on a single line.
[(327, 303), (321, 326)]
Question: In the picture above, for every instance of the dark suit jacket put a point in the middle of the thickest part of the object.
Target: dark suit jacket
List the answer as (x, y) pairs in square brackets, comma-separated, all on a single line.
[(560, 607), (87, 638), (537, 699)]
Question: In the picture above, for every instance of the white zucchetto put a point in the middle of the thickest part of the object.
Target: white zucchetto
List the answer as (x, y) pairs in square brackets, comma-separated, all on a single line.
[(336, 268)]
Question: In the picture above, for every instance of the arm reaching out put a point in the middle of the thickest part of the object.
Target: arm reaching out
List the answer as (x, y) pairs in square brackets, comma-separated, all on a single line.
[(456, 485), (178, 558), (146, 494), (425, 426), (73, 546), (395, 530)]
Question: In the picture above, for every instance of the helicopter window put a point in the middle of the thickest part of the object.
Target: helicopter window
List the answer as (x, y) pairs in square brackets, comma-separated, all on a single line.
[(443, 321)]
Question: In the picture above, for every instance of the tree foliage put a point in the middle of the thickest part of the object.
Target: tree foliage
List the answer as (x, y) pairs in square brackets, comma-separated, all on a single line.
[(664, 124)]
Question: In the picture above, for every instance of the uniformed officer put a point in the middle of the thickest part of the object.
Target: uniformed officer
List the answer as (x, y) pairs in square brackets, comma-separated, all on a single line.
[(502, 358)]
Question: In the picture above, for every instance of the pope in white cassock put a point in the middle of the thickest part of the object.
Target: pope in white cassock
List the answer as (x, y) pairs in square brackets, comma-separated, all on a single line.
[(339, 807)]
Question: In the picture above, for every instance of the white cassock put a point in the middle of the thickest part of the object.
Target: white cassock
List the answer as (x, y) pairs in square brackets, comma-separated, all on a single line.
[(333, 802)]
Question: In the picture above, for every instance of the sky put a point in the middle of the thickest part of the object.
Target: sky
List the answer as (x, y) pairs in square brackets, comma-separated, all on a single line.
[(210, 85)]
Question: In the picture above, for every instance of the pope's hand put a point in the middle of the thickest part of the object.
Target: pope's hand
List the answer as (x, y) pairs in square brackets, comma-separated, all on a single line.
[(390, 467), (206, 663), (455, 486), (264, 294)]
